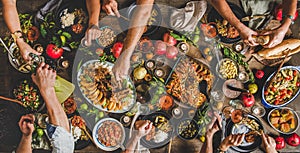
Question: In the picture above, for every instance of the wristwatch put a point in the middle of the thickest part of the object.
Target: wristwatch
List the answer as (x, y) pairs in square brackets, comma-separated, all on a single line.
[(16, 35)]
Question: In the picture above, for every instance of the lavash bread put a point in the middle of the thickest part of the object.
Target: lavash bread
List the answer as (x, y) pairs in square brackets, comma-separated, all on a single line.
[(277, 52)]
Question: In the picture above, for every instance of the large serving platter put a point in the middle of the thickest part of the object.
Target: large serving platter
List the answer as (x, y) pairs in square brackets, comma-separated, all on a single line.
[(124, 103)]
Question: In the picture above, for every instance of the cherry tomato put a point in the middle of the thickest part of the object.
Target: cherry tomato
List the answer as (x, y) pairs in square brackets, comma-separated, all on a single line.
[(295, 72), (266, 92), (283, 90), (289, 78), (273, 89), (282, 96), (298, 84), (290, 92), (276, 102)]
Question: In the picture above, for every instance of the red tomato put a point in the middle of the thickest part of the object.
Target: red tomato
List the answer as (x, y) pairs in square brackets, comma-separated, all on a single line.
[(117, 49), (282, 96), (289, 78), (266, 92), (53, 51), (295, 72), (283, 91), (298, 84), (273, 89), (290, 92), (276, 102)]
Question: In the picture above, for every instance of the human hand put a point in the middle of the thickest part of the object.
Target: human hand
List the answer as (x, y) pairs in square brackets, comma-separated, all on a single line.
[(26, 124), (111, 7), (213, 127), (121, 67), (25, 50), (232, 140), (246, 34), (268, 143), (144, 127), (276, 37), (44, 77), (92, 33)]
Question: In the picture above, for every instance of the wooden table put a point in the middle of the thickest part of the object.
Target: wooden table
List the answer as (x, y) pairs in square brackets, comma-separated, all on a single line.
[(9, 76)]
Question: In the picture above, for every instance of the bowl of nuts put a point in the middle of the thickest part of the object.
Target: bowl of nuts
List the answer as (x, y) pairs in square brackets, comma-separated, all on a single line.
[(227, 69)]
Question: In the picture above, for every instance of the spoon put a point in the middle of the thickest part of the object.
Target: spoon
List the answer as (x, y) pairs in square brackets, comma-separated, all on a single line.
[(236, 88)]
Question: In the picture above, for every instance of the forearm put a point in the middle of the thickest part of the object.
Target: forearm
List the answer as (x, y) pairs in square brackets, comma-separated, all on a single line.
[(137, 25), (10, 15), (93, 7), (223, 8), (131, 145), (25, 145), (289, 8), (57, 116), (207, 146)]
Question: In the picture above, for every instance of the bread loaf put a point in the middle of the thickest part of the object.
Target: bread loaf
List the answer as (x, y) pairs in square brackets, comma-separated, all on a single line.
[(262, 40), (293, 45)]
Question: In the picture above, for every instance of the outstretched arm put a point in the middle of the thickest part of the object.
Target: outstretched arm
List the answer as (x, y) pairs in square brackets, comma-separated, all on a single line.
[(12, 21), (93, 7), (276, 36), (139, 21), (45, 80)]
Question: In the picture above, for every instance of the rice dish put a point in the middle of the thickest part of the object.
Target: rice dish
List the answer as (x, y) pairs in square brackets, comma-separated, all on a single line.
[(67, 19), (160, 136)]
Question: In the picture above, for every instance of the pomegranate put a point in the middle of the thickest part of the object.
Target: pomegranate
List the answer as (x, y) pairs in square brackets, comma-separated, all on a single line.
[(293, 140), (248, 99), (172, 52), (280, 143), (160, 47)]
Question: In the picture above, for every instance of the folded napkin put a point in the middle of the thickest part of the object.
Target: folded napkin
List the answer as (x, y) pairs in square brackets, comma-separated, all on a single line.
[(186, 19), (63, 89)]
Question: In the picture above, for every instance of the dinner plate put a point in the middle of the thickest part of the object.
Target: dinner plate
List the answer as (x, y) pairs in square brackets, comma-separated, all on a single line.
[(95, 134), (150, 29), (70, 7), (232, 128), (127, 102), (151, 143), (239, 13)]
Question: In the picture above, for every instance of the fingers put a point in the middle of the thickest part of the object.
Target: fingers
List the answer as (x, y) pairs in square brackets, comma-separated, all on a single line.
[(116, 12), (263, 137), (111, 8)]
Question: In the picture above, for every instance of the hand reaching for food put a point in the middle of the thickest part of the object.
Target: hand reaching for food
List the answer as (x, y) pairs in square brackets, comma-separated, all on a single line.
[(268, 143), (144, 127), (231, 140), (276, 37), (111, 7), (26, 124), (121, 67), (247, 36), (91, 33), (25, 50), (212, 127)]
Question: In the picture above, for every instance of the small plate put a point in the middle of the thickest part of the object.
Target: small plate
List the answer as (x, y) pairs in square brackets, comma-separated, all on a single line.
[(95, 134), (151, 143)]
